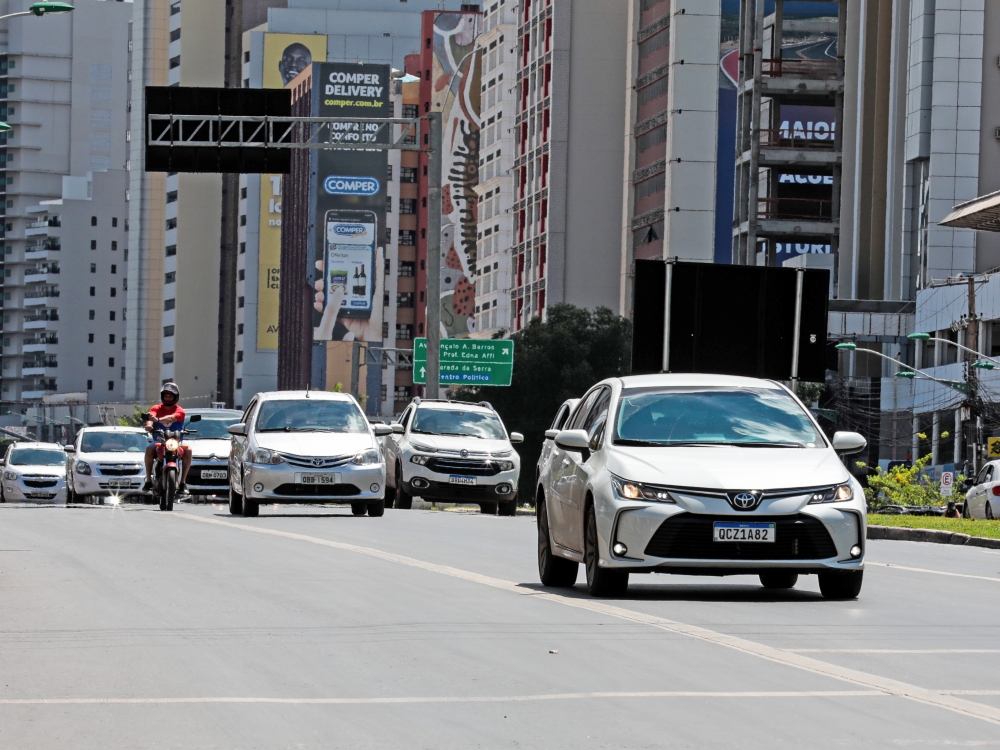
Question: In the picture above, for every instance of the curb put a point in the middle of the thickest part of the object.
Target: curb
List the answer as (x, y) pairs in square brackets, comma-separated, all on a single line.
[(903, 534)]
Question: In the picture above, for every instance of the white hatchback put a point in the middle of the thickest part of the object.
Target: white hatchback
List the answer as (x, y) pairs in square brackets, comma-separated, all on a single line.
[(34, 473), (982, 500), (702, 475)]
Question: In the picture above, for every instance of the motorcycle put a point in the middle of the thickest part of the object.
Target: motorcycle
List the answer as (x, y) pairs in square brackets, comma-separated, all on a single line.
[(167, 465)]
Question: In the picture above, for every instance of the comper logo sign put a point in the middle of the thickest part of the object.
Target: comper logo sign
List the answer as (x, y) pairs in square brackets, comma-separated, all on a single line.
[(349, 230), (339, 185)]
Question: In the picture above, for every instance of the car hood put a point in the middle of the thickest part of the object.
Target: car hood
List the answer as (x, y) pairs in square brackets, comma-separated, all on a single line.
[(729, 467), (206, 448), (110, 458), (44, 471), (316, 443), (454, 443)]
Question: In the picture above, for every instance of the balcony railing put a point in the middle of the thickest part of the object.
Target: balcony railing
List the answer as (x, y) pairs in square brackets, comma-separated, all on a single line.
[(817, 209), (48, 315), (42, 270), (49, 244), (52, 221), (40, 340), (816, 69), (42, 293)]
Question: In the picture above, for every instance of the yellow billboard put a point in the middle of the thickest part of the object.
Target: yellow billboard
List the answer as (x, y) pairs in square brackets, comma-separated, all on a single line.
[(285, 56)]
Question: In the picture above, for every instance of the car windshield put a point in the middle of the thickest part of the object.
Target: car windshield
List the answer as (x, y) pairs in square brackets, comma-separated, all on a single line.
[(310, 415), (37, 457), (454, 422), (713, 416), (113, 442), (210, 429)]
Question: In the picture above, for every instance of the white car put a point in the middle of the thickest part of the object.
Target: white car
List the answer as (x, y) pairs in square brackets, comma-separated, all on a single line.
[(209, 442), (453, 451), (106, 463), (561, 418), (306, 447), (33, 473), (703, 475), (982, 500)]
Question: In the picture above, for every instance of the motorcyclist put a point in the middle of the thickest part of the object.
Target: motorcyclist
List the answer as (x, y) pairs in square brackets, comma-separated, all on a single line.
[(167, 415)]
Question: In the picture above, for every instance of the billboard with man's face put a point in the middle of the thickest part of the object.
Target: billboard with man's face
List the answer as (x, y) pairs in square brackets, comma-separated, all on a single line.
[(287, 55)]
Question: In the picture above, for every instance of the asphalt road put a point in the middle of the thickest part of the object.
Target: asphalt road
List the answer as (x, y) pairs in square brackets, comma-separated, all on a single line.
[(309, 628)]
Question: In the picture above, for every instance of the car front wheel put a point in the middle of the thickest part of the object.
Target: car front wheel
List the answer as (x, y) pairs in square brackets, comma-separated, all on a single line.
[(600, 581), (841, 585), (235, 502)]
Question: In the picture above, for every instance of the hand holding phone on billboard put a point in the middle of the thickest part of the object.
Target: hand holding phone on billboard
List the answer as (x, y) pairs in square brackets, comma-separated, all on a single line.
[(330, 321)]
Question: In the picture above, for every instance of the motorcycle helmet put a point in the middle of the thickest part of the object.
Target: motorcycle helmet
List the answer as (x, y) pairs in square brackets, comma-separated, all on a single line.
[(171, 388)]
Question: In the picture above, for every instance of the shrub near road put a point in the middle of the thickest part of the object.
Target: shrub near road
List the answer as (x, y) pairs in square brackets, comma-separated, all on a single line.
[(553, 361)]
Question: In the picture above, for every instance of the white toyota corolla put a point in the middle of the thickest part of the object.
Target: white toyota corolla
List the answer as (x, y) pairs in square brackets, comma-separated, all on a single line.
[(703, 475)]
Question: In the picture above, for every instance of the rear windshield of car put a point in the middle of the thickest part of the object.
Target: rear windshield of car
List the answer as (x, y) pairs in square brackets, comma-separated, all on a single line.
[(455, 422), (37, 457), (310, 415), (210, 429), (697, 416), (113, 442)]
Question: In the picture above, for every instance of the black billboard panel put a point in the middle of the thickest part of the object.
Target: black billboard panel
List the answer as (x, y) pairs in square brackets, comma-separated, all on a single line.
[(212, 102), (730, 320)]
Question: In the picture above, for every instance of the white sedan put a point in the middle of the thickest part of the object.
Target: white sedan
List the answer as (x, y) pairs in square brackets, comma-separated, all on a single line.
[(34, 472), (983, 499)]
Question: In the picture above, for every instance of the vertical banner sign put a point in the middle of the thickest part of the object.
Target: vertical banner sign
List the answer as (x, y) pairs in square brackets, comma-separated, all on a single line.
[(457, 79), (285, 56), (350, 194)]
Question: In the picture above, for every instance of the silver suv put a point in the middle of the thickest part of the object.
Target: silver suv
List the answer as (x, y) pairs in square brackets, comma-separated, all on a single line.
[(453, 451)]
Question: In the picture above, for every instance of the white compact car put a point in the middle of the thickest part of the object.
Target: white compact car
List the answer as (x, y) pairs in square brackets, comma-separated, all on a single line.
[(209, 442), (453, 451), (306, 447), (34, 473), (982, 500), (562, 417), (106, 462), (702, 475)]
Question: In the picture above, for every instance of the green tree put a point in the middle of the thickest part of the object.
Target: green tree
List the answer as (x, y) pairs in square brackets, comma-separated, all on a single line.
[(554, 360)]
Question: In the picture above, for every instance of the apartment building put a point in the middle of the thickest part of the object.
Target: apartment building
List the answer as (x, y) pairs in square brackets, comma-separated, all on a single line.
[(64, 210), (570, 152), (497, 46)]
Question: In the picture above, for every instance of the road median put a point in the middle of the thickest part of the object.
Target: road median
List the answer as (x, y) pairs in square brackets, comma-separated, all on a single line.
[(914, 533)]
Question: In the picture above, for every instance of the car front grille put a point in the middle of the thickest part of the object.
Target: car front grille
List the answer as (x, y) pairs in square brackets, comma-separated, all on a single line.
[(323, 490), (114, 470), (689, 536), (310, 462), (463, 466), (40, 482)]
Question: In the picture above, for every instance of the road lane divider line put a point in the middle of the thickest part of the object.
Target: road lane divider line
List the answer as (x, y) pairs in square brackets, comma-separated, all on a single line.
[(769, 653), (451, 699), (935, 572), (894, 650)]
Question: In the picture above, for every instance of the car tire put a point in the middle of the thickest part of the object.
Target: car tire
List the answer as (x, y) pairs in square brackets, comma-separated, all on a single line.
[(377, 509), (359, 509), (841, 585), (989, 511), (235, 502), (251, 508), (966, 512), (488, 509), (508, 508), (554, 572), (600, 581), (390, 496), (778, 579)]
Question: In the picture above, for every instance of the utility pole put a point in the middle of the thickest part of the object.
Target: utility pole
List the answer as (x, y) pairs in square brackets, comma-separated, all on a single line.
[(972, 342), (434, 258)]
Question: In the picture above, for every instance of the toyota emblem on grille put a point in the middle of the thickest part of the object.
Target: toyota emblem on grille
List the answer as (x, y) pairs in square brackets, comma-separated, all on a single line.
[(317, 462), (744, 500), (465, 453)]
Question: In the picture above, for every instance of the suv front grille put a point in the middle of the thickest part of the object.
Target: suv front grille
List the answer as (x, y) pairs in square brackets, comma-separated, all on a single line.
[(33, 482), (310, 462), (689, 536), (463, 466), (114, 470)]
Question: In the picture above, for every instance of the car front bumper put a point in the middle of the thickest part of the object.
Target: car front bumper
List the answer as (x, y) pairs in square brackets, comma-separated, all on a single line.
[(677, 538), (14, 491), (99, 485), (439, 487), (267, 483)]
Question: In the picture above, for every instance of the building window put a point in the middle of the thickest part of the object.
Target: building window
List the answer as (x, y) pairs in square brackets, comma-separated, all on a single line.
[(91, 315), (114, 221), (241, 275), (407, 206), (90, 385), (93, 221), (114, 292), (404, 299), (385, 330), (175, 62), (114, 268), (411, 111), (239, 383), (168, 331), (239, 356), (407, 268), (90, 338), (169, 304), (111, 338), (401, 393), (114, 244), (170, 277), (171, 250), (93, 268), (175, 35), (93, 244), (111, 385), (388, 204), (408, 174), (172, 223), (407, 237), (171, 196), (90, 361), (404, 331), (243, 220), (243, 248), (111, 315), (168, 358), (388, 175), (239, 329), (240, 302), (93, 291), (388, 235), (111, 361)]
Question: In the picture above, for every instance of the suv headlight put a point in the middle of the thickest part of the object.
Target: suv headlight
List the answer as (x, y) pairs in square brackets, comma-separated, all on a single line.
[(264, 456), (423, 448), (422, 460), (10, 476), (638, 491), (367, 457), (82, 467), (839, 494), (501, 454), (505, 465)]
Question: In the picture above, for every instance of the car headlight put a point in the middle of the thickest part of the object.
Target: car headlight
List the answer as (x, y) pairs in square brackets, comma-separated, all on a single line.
[(423, 448), (839, 494), (638, 491), (171, 445), (82, 467), (367, 457), (505, 465), (264, 456), (501, 454), (422, 460), (9, 476)]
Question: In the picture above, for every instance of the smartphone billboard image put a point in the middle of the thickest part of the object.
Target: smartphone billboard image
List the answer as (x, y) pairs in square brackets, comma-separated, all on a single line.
[(350, 260)]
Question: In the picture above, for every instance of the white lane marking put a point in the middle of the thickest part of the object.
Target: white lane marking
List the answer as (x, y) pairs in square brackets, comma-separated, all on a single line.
[(971, 692), (894, 650), (449, 699), (769, 653), (935, 572)]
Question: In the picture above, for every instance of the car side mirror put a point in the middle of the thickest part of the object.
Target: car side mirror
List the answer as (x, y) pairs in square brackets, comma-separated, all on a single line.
[(397, 429), (69, 449), (237, 429), (551, 434), (516, 437), (381, 430), (846, 443), (195, 418), (968, 484), (574, 440)]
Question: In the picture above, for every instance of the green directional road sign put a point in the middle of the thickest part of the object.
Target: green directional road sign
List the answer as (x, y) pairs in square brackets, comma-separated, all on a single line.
[(467, 361)]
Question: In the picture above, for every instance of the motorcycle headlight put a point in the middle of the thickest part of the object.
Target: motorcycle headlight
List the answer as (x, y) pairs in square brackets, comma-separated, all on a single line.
[(839, 494), (171, 445), (82, 467), (9, 476), (505, 465), (638, 491), (367, 458), (264, 456), (422, 460)]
